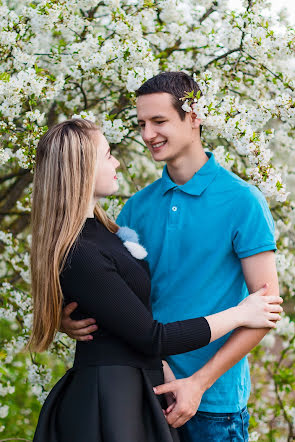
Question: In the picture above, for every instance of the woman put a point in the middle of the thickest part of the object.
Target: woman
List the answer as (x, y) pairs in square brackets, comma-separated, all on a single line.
[(77, 255)]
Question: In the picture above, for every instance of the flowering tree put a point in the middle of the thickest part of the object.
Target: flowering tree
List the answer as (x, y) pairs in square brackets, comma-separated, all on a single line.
[(86, 58)]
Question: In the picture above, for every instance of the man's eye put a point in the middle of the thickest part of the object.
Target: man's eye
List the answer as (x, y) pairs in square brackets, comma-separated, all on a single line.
[(160, 122)]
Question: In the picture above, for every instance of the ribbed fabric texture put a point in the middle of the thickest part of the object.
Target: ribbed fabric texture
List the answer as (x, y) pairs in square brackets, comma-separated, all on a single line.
[(113, 287)]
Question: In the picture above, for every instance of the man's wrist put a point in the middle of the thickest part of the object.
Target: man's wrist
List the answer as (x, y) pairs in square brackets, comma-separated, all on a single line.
[(203, 379)]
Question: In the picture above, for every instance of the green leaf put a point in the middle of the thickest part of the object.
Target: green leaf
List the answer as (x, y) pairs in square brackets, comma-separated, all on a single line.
[(4, 76)]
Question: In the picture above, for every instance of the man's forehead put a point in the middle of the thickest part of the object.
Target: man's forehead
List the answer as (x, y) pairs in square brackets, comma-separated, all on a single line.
[(159, 97), (153, 106)]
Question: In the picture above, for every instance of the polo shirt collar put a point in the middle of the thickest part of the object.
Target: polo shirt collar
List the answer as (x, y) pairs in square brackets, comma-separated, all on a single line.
[(198, 183)]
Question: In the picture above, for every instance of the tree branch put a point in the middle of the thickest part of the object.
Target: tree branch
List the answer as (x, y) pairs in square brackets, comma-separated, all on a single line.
[(15, 192), (209, 11), (21, 172), (222, 56)]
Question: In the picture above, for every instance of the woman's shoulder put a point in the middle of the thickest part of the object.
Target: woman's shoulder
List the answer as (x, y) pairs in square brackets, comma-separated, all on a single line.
[(86, 254)]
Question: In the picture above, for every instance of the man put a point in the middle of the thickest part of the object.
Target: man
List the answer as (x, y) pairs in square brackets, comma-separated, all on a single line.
[(209, 237)]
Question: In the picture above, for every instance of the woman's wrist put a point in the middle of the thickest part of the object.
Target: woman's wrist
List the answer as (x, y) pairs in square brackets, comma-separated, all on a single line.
[(239, 315)]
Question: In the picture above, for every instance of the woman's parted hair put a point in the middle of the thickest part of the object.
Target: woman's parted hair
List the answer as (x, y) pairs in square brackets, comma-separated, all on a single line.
[(62, 191)]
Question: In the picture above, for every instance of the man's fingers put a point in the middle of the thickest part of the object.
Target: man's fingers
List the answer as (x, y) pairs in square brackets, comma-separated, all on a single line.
[(181, 421), (172, 417), (165, 388), (69, 308), (84, 331), (178, 417), (83, 324), (170, 408), (83, 338), (176, 414)]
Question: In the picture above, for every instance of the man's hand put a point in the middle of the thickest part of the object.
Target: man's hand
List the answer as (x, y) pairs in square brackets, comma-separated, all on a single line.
[(79, 330), (187, 394)]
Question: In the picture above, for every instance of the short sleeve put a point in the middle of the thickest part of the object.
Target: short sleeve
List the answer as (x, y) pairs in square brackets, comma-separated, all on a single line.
[(254, 230)]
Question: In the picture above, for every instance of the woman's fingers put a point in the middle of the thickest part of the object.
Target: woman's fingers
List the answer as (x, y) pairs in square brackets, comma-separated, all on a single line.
[(273, 299), (275, 308), (274, 317), (263, 290)]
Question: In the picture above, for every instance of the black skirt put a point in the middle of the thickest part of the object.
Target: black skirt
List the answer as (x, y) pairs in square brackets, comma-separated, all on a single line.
[(105, 403)]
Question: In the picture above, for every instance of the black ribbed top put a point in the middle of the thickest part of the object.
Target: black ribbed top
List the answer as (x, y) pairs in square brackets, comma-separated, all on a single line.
[(113, 287)]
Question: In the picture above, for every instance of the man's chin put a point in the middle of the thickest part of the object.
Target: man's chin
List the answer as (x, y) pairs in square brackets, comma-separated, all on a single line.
[(160, 156)]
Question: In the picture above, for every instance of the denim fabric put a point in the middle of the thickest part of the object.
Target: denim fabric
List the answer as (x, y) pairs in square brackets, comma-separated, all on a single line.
[(216, 427)]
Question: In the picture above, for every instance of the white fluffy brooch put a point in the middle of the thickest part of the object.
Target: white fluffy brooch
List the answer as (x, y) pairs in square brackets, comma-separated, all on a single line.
[(131, 241)]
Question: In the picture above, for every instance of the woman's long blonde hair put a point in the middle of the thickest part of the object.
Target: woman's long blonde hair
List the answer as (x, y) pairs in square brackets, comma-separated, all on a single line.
[(62, 191)]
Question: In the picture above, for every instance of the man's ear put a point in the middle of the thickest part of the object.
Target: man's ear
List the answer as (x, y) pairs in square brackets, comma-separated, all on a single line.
[(195, 121)]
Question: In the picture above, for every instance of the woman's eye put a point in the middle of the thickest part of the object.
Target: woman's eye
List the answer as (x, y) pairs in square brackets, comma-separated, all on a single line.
[(160, 122)]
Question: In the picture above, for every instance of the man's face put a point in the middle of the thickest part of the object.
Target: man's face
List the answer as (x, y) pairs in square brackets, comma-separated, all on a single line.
[(164, 133)]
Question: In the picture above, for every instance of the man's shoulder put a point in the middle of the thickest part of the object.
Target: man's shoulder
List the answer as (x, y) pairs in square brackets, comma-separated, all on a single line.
[(138, 205), (229, 181)]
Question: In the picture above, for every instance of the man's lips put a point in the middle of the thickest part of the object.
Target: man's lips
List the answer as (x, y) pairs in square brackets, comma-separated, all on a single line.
[(158, 146)]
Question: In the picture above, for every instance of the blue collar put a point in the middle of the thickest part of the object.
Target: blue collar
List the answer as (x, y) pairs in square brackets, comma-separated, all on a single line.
[(198, 183)]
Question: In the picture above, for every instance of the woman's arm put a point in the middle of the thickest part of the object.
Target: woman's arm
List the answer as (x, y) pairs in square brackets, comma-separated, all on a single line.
[(93, 281), (248, 314)]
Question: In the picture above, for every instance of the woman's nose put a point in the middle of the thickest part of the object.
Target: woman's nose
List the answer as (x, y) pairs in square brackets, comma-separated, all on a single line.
[(117, 163)]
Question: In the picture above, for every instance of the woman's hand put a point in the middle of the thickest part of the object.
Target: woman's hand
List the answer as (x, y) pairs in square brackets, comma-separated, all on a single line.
[(259, 310)]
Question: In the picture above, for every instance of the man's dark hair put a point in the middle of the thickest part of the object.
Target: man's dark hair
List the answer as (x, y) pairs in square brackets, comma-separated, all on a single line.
[(174, 83)]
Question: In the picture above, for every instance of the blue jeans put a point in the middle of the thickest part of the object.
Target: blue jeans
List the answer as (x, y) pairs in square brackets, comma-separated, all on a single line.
[(216, 427)]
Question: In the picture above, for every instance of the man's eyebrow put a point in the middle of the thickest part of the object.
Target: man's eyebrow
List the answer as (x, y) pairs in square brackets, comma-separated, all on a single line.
[(156, 117)]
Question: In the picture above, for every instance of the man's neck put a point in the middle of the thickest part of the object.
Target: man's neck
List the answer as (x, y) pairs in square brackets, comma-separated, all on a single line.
[(182, 169)]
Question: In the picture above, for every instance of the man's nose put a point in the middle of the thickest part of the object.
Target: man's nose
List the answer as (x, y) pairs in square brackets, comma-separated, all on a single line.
[(148, 133)]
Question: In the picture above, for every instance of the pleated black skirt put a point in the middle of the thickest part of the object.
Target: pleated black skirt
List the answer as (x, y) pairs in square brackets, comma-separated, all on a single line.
[(105, 403)]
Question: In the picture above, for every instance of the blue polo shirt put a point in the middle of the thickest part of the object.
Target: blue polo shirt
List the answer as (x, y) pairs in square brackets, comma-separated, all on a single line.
[(195, 235)]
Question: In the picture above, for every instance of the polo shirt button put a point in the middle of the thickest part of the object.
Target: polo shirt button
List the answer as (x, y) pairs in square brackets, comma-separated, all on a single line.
[(174, 208)]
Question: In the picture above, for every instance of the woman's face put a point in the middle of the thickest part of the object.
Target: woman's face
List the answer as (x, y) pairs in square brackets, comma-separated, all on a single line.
[(105, 181)]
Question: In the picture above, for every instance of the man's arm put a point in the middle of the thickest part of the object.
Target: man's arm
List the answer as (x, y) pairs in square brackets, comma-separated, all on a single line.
[(258, 270)]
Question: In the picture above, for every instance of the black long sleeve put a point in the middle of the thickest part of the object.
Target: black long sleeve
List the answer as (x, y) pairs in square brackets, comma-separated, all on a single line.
[(92, 278)]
